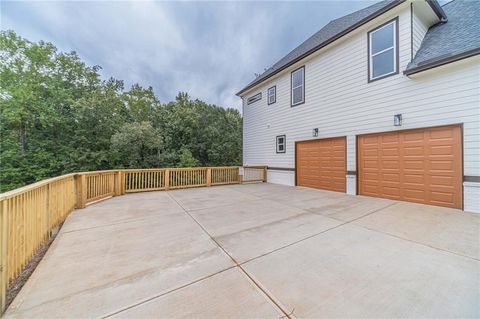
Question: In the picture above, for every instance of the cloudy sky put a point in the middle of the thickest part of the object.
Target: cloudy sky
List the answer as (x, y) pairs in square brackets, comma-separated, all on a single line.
[(208, 49)]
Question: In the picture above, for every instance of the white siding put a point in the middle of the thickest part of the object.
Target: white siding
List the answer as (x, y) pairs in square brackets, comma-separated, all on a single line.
[(420, 28), (281, 177), (339, 101), (471, 198)]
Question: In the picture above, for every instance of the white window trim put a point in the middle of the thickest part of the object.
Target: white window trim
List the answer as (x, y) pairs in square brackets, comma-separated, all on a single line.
[(302, 69), (393, 47), (278, 144), (274, 95)]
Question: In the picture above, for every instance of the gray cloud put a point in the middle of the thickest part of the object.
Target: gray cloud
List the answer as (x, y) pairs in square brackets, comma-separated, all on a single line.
[(208, 49)]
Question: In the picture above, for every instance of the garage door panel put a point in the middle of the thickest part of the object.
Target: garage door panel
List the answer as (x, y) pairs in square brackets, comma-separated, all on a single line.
[(372, 139), (370, 164), (441, 150), (326, 164), (414, 193), (414, 178), (372, 155), (390, 164), (392, 191), (411, 136), (390, 152), (413, 151), (422, 165), (391, 177), (441, 165), (442, 181), (442, 197), (370, 190), (373, 176), (440, 134), (414, 164), (389, 138)]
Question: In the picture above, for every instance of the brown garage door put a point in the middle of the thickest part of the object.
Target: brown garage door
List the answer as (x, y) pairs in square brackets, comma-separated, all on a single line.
[(321, 164), (422, 165)]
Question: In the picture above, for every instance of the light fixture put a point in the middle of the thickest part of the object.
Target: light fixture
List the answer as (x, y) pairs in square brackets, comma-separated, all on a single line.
[(315, 132), (397, 120)]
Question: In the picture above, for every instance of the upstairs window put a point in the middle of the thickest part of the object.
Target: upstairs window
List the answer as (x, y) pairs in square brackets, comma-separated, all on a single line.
[(297, 83), (255, 98), (272, 95), (281, 144), (383, 51)]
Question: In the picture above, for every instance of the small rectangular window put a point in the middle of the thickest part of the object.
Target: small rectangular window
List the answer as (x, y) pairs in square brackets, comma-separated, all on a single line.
[(383, 51), (281, 144), (297, 83), (272, 95), (255, 98)]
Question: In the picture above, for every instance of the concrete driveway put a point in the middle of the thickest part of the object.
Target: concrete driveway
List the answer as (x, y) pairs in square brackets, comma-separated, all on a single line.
[(257, 251)]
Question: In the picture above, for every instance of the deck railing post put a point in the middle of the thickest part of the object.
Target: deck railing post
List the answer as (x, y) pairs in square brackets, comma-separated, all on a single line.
[(122, 182), (167, 179), (265, 174), (209, 176), (118, 183), (81, 190), (3, 255), (48, 210)]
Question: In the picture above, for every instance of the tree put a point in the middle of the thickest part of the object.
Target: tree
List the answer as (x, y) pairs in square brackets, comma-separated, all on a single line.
[(186, 158), (57, 116), (137, 145)]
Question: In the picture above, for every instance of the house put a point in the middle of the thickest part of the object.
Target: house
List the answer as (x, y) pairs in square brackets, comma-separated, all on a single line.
[(383, 102)]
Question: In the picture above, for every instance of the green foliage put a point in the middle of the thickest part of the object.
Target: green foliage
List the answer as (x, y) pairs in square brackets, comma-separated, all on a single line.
[(137, 145), (57, 116), (186, 158)]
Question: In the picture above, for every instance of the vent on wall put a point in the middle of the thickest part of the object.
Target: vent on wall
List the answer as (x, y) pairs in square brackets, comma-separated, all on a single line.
[(255, 98)]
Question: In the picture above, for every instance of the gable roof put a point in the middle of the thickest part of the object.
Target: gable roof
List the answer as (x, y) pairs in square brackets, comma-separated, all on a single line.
[(457, 39), (334, 30)]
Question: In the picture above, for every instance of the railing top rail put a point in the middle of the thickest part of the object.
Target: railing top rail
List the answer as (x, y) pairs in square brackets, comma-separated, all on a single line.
[(26, 188), (178, 168), (98, 172), (143, 170)]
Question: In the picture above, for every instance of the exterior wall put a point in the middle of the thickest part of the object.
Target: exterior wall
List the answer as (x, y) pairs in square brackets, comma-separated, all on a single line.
[(281, 177), (471, 193), (339, 101), (419, 29)]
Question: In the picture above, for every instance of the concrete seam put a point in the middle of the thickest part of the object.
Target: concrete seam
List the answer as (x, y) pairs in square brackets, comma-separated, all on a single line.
[(225, 205), (107, 225), (418, 243), (313, 235), (351, 221), (286, 314), (166, 293)]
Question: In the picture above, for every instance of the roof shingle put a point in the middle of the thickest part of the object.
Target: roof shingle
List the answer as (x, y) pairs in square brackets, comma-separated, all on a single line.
[(458, 36)]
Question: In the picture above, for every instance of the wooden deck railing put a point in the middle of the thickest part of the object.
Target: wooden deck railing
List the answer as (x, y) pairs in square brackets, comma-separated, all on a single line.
[(29, 215), (254, 174)]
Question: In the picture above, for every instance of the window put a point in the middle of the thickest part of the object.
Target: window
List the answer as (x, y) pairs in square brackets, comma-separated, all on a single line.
[(272, 95), (383, 51), (281, 144), (297, 82), (255, 98)]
